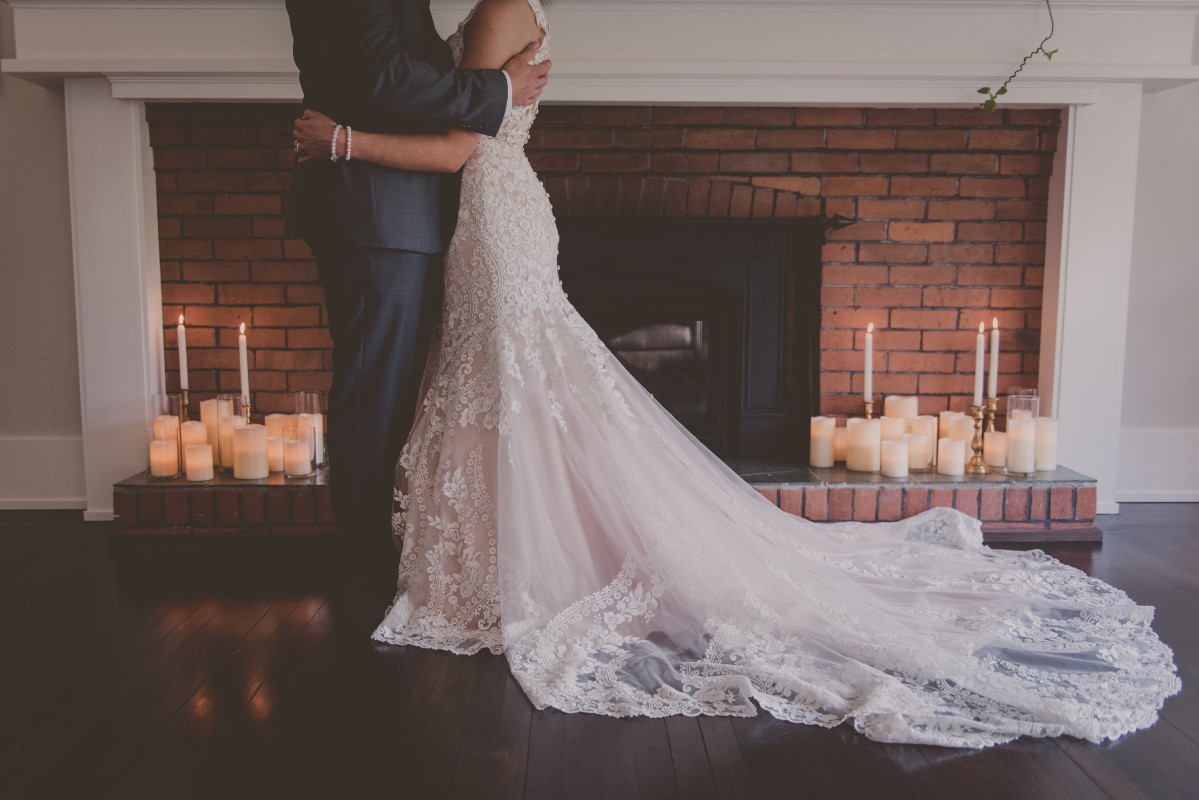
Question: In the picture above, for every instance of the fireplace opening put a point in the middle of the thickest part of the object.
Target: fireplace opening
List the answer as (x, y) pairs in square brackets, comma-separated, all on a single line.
[(718, 319)]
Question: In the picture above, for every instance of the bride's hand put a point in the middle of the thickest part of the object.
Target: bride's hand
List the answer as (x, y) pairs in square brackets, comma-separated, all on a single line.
[(313, 134)]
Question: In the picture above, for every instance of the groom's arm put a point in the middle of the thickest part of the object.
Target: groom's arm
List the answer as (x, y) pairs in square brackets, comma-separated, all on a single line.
[(398, 85)]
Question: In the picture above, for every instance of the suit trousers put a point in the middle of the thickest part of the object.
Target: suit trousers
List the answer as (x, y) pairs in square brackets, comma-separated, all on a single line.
[(383, 308)]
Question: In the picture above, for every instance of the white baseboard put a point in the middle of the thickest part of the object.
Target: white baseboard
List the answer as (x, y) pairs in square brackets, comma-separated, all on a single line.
[(1107, 507), (99, 515), (41, 472), (1158, 466)]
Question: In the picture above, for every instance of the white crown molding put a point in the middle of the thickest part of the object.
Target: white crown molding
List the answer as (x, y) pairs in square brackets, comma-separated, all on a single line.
[(941, 6), (640, 82)]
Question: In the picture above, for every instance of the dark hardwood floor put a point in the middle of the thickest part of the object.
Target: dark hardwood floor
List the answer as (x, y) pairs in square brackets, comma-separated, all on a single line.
[(237, 671)]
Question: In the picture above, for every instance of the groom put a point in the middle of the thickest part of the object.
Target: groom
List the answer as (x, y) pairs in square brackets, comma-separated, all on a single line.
[(379, 234)]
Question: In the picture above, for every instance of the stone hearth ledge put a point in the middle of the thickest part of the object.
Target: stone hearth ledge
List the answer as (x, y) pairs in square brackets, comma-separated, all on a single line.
[(1047, 507)]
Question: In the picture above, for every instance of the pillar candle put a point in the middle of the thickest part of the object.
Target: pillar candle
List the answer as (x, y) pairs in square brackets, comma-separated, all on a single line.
[(925, 427), (275, 423), (962, 427), (951, 457), (317, 423), (229, 423), (274, 453), (1022, 445), (1046, 444), (863, 450), (943, 424), (821, 451), (198, 460), (210, 417), (166, 427), (993, 376), (840, 444), (868, 388), (980, 348), (894, 459), (164, 458), (995, 449), (244, 366), (250, 460), (1020, 413), (893, 428), (297, 459), (194, 433), (904, 406), (182, 335), (920, 456)]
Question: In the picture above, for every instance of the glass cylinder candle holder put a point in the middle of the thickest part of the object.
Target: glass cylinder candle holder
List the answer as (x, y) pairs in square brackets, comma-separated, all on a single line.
[(1021, 445), (298, 447), (310, 411), (922, 447), (231, 418), (1023, 403)]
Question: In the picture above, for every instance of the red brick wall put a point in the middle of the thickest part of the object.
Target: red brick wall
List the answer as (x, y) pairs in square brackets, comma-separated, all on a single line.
[(951, 209), (951, 206)]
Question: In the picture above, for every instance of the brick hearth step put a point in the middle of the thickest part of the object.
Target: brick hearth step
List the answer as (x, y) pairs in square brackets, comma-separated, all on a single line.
[(1050, 506)]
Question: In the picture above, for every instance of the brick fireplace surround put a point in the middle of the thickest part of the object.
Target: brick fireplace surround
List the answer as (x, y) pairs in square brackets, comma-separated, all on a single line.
[(950, 221), (950, 207)]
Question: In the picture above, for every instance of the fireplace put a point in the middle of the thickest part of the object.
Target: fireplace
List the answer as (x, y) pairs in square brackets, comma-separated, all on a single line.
[(718, 319)]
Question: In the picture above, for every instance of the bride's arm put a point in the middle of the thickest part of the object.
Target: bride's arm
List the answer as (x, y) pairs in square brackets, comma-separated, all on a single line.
[(498, 29)]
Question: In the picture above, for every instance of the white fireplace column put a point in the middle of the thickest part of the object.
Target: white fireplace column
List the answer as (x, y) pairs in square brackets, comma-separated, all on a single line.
[(118, 290)]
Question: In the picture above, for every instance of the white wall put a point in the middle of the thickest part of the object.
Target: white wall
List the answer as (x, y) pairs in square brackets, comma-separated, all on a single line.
[(41, 445), (1159, 443)]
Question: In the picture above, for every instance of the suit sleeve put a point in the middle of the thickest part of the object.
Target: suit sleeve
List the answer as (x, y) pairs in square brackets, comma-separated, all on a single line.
[(398, 85)]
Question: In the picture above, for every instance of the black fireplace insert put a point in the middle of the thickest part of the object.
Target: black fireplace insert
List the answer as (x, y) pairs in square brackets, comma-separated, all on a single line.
[(718, 319)]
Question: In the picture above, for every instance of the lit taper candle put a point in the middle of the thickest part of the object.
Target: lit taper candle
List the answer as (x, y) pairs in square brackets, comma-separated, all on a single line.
[(244, 364), (979, 351), (182, 331), (993, 378)]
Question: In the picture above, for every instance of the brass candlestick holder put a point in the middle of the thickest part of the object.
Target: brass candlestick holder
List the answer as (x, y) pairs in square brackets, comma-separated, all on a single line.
[(869, 409), (185, 409), (977, 465), (245, 408), (992, 412)]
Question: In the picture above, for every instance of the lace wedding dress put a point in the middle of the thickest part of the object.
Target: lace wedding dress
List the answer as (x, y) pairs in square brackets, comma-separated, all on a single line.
[(550, 510)]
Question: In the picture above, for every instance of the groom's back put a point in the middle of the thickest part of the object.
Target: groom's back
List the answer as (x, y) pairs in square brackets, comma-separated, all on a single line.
[(369, 205)]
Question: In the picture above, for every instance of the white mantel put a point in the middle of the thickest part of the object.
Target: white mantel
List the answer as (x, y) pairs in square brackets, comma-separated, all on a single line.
[(113, 56)]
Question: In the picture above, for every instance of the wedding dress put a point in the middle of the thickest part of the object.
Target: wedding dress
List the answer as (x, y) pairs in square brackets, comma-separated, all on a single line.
[(551, 510)]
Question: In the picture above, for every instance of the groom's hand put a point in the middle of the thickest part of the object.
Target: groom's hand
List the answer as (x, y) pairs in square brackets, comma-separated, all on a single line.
[(528, 81)]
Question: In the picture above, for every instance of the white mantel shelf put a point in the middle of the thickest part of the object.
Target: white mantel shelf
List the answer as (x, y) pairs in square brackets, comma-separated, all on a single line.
[(114, 56)]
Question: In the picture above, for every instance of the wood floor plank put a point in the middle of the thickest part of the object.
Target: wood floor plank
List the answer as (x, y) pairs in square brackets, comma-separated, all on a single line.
[(215, 672)]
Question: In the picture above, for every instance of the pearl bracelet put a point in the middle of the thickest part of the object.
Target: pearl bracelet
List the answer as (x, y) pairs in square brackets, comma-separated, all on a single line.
[(334, 156), (349, 143)]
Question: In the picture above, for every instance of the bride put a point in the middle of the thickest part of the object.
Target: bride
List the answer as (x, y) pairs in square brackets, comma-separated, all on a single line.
[(549, 509)]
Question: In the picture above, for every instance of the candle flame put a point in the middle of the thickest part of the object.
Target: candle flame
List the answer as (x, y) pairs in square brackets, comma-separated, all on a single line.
[(243, 327), (180, 319), (995, 323), (870, 328), (981, 327)]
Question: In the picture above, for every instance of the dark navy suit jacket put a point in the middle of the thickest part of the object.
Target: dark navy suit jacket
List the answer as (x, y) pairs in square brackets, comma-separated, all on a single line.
[(380, 65)]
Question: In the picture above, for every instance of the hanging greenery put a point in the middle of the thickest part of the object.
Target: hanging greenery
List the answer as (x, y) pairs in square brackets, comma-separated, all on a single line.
[(992, 101)]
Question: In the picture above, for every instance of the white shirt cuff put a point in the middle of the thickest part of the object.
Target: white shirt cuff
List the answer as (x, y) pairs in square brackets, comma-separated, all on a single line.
[(508, 107)]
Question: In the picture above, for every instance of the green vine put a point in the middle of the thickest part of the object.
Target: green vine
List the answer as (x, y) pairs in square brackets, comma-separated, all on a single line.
[(992, 101)]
